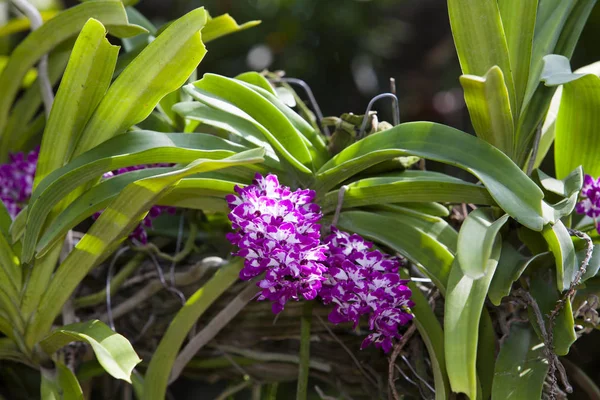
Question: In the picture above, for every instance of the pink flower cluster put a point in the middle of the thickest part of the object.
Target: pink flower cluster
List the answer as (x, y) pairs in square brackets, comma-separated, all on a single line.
[(140, 233), (278, 235), (590, 198), (365, 282), (16, 180)]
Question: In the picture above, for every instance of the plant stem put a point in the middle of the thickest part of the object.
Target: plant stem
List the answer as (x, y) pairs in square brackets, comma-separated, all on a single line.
[(303, 370)]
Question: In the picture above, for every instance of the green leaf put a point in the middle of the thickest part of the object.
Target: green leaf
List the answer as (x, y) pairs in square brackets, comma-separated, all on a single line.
[(486, 354), (426, 208), (162, 67), (593, 265), (510, 268), (83, 85), (318, 150), (518, 21), (489, 107), (274, 125), (111, 228), (420, 246), (113, 351), (408, 186), (476, 240), (514, 192), (256, 79), (577, 124), (479, 39), (561, 245), (135, 17), (135, 148), (543, 289), (465, 297), (21, 24), (433, 336), (548, 128), (60, 384), (223, 25), (157, 375), (521, 367), (39, 42)]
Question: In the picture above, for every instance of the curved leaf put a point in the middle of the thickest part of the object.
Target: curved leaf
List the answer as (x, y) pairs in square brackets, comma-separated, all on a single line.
[(113, 351), (420, 246), (162, 67), (489, 107), (479, 39), (561, 245), (507, 184), (521, 367), (39, 42), (476, 240), (408, 186), (278, 130), (465, 297), (159, 369), (83, 85), (223, 25), (111, 228), (433, 336)]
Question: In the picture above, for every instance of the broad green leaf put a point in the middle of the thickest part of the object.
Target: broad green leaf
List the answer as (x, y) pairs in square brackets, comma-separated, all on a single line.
[(593, 265), (276, 127), (480, 40), (420, 246), (159, 369), (111, 228), (113, 351), (543, 289), (223, 25), (465, 297), (489, 107), (518, 21), (41, 41), (510, 268), (566, 187), (241, 128), (561, 245), (548, 128), (408, 186), (162, 67), (29, 78), (136, 17), (83, 85), (318, 149), (256, 79), (135, 148), (427, 208), (433, 336), (197, 193), (577, 124), (476, 240), (521, 367), (512, 190), (11, 273)]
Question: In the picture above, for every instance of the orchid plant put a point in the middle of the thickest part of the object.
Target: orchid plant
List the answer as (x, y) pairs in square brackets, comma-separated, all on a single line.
[(352, 224)]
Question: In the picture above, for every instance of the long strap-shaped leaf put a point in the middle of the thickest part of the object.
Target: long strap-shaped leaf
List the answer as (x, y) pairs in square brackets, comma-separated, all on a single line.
[(479, 38), (408, 186), (83, 85), (157, 375), (464, 303), (162, 67), (139, 147), (68, 23), (512, 190), (112, 227)]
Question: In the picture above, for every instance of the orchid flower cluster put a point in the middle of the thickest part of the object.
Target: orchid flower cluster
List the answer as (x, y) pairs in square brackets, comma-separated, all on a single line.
[(139, 233), (16, 180), (590, 199), (278, 235)]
